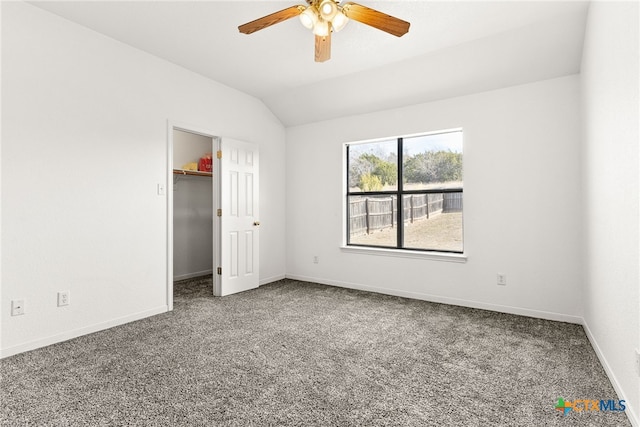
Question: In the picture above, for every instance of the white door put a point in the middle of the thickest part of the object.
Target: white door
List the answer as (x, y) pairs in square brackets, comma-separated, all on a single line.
[(238, 221)]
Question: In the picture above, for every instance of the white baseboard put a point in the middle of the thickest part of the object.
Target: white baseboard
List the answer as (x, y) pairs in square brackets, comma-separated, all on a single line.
[(272, 279), (192, 275), (75, 333), (447, 300), (630, 410)]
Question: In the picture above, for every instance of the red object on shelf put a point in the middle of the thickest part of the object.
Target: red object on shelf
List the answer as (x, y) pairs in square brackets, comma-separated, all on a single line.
[(204, 165)]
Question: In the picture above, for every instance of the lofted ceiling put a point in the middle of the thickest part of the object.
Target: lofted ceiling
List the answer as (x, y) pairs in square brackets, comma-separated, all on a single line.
[(453, 48)]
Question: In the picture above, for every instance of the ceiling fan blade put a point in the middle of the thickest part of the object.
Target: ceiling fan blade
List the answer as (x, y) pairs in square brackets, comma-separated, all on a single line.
[(323, 48), (274, 18), (379, 20)]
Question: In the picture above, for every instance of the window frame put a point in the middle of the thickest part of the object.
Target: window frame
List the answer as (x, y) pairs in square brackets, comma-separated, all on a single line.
[(399, 193)]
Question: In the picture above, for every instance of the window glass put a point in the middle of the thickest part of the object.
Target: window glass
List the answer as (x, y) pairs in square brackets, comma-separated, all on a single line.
[(438, 230), (373, 166), (434, 220), (424, 210), (432, 161), (373, 220)]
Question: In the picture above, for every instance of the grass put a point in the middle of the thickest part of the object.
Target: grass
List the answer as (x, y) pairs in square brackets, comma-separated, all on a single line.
[(442, 232)]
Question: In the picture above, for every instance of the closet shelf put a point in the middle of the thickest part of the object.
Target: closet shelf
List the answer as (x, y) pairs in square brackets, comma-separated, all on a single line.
[(194, 173)]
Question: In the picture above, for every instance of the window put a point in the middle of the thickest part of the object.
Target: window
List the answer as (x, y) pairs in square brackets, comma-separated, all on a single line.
[(406, 193)]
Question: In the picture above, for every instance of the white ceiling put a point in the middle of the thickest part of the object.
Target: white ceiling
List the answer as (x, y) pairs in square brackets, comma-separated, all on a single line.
[(453, 48)]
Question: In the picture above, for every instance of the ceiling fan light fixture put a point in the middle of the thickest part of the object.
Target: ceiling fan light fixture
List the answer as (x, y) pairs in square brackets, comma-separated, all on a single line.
[(339, 21), (328, 9), (309, 17), (321, 28)]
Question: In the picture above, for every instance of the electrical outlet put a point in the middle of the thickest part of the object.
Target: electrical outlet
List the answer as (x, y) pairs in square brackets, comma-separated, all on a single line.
[(316, 259), (502, 279), (17, 307), (64, 298)]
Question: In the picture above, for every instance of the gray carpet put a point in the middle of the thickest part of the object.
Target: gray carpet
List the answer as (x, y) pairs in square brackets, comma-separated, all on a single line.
[(302, 354)]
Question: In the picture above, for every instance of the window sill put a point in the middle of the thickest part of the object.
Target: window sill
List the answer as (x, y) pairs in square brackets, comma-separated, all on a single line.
[(435, 256)]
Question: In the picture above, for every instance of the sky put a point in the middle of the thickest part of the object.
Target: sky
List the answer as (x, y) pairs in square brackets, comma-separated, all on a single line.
[(449, 141)]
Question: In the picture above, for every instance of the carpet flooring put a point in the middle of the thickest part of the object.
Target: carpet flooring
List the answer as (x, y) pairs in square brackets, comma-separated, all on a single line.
[(301, 354)]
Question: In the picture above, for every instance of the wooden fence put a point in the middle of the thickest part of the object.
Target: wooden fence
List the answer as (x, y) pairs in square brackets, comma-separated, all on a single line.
[(452, 202), (369, 214)]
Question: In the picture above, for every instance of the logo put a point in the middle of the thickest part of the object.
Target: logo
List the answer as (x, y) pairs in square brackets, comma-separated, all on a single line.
[(589, 405), (563, 406)]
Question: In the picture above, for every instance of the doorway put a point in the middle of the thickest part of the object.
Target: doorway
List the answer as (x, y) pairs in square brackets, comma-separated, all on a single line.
[(191, 203), (213, 214)]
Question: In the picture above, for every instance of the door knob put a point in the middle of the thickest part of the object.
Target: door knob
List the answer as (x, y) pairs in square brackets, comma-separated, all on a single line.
[(257, 223)]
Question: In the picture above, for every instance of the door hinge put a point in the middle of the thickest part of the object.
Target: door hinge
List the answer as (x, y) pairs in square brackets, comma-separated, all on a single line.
[(219, 270), (219, 154), (219, 213)]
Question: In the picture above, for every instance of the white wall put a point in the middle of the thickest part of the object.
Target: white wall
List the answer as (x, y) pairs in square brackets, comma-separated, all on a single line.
[(611, 164), (192, 209), (84, 145), (522, 204)]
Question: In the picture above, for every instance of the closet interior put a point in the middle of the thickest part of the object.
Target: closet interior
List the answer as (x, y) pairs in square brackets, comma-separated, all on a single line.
[(193, 210)]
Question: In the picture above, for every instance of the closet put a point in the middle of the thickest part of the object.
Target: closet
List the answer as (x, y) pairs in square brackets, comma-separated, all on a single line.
[(214, 214), (193, 205)]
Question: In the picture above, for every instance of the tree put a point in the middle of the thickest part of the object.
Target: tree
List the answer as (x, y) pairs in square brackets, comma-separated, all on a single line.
[(385, 170), (366, 166), (433, 167), (358, 167), (369, 182)]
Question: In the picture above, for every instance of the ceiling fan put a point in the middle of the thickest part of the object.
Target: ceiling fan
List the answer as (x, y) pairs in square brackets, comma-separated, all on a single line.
[(325, 16)]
